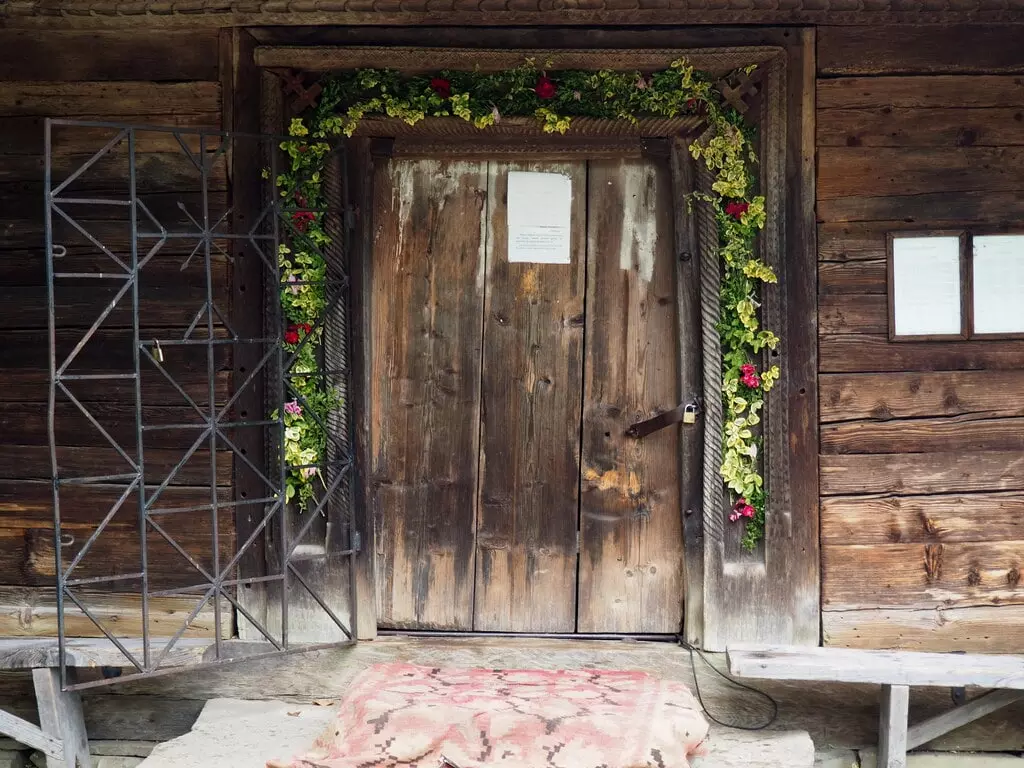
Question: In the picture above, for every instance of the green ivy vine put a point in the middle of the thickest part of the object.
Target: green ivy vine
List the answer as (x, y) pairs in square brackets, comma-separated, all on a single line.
[(553, 98)]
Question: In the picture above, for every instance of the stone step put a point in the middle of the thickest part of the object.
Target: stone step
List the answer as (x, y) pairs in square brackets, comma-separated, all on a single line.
[(232, 733)]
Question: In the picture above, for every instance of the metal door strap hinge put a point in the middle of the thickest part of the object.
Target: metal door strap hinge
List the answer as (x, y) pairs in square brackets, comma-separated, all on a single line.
[(685, 413), (357, 542)]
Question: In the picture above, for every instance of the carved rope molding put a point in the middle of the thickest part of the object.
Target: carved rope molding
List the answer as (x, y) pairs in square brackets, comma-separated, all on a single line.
[(199, 13)]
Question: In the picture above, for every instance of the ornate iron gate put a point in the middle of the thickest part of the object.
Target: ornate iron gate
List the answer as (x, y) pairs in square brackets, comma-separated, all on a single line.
[(176, 379)]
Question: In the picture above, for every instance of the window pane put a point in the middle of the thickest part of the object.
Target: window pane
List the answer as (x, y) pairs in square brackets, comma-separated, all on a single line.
[(999, 284), (926, 286)]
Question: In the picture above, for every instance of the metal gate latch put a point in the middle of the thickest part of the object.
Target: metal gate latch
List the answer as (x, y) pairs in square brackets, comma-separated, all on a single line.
[(686, 413)]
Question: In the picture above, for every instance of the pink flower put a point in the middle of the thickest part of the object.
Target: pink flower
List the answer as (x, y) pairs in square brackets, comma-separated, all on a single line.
[(496, 114), (293, 288), (641, 83), (545, 87), (308, 472), (293, 408), (749, 377), (747, 511), (736, 209), (734, 516)]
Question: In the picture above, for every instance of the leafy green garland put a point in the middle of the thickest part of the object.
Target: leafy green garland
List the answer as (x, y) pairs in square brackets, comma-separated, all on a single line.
[(554, 99)]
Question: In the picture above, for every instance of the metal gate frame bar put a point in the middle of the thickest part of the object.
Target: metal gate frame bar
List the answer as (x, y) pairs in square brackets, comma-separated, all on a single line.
[(216, 583)]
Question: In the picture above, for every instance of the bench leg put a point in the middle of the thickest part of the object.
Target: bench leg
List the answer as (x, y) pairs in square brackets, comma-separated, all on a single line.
[(892, 727), (60, 716)]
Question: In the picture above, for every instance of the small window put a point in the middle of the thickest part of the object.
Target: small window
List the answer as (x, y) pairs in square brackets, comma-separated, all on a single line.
[(998, 284), (926, 286), (955, 285)]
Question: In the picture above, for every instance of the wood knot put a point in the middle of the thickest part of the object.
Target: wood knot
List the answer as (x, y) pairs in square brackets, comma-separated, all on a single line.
[(929, 525), (933, 562), (1013, 577), (973, 576)]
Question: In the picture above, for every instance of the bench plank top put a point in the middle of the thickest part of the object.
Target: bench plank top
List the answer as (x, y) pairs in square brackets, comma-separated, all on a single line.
[(31, 653), (845, 665)]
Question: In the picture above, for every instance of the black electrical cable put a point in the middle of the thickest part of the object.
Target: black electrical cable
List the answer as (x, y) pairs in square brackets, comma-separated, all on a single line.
[(696, 685)]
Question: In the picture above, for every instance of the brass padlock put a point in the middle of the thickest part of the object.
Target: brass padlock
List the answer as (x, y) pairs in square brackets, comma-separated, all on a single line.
[(690, 414)]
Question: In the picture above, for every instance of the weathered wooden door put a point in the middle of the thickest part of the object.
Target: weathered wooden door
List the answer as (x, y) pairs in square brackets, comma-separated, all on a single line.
[(505, 494)]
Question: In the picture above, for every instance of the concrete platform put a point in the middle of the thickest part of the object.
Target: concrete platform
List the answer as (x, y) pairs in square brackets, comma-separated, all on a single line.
[(234, 733)]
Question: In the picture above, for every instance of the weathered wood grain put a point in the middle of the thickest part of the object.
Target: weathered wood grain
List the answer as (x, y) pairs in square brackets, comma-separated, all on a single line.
[(947, 575), (940, 91), (532, 389), (922, 519), (24, 135), (61, 716), (30, 735), (70, 100), (861, 353), (855, 277), (853, 313), (25, 423), (976, 708), (41, 55), (845, 242), (28, 386), (977, 629), (155, 172), (951, 433), (83, 506), (908, 49), (32, 462), (883, 667), (27, 554), (631, 548), (846, 397), (929, 127), (922, 473), (898, 171), (892, 726), (28, 612), (427, 299), (79, 303)]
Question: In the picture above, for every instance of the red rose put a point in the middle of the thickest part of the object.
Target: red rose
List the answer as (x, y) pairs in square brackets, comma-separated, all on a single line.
[(736, 209), (442, 87), (302, 220), (306, 327), (291, 336), (747, 511), (545, 87), (691, 104), (303, 148), (748, 370)]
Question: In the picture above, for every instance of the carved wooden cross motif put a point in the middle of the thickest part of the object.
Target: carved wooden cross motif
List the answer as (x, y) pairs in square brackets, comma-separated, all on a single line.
[(739, 89), (295, 83)]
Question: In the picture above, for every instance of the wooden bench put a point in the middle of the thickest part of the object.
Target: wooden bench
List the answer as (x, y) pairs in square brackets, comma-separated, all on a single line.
[(896, 672), (61, 734)]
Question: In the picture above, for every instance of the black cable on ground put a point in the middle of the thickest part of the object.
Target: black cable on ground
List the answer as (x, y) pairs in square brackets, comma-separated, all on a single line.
[(696, 685)]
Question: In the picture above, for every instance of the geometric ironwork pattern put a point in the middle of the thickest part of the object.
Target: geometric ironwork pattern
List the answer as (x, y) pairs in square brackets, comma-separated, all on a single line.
[(144, 266)]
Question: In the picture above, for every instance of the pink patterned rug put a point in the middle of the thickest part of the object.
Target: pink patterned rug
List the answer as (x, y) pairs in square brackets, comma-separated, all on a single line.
[(416, 717)]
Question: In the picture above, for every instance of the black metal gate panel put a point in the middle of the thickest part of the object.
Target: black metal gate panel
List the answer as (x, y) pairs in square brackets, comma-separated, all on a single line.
[(187, 396)]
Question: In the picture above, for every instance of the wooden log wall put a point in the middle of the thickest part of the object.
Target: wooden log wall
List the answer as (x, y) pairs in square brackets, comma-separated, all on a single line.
[(153, 78), (922, 467)]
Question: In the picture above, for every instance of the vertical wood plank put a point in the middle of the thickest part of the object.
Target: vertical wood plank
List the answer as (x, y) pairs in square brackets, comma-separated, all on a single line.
[(631, 558), (531, 388), (427, 301), (360, 191), (691, 374), (242, 112), (892, 726), (61, 716)]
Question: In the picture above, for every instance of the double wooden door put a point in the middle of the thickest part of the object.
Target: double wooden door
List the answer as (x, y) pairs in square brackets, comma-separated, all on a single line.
[(505, 494)]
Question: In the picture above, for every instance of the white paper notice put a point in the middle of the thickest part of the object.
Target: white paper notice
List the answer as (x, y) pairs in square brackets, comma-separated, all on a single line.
[(999, 284), (539, 217), (926, 286)]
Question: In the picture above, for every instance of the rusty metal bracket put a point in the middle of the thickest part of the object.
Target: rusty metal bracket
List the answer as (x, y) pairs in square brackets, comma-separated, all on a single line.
[(677, 415)]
